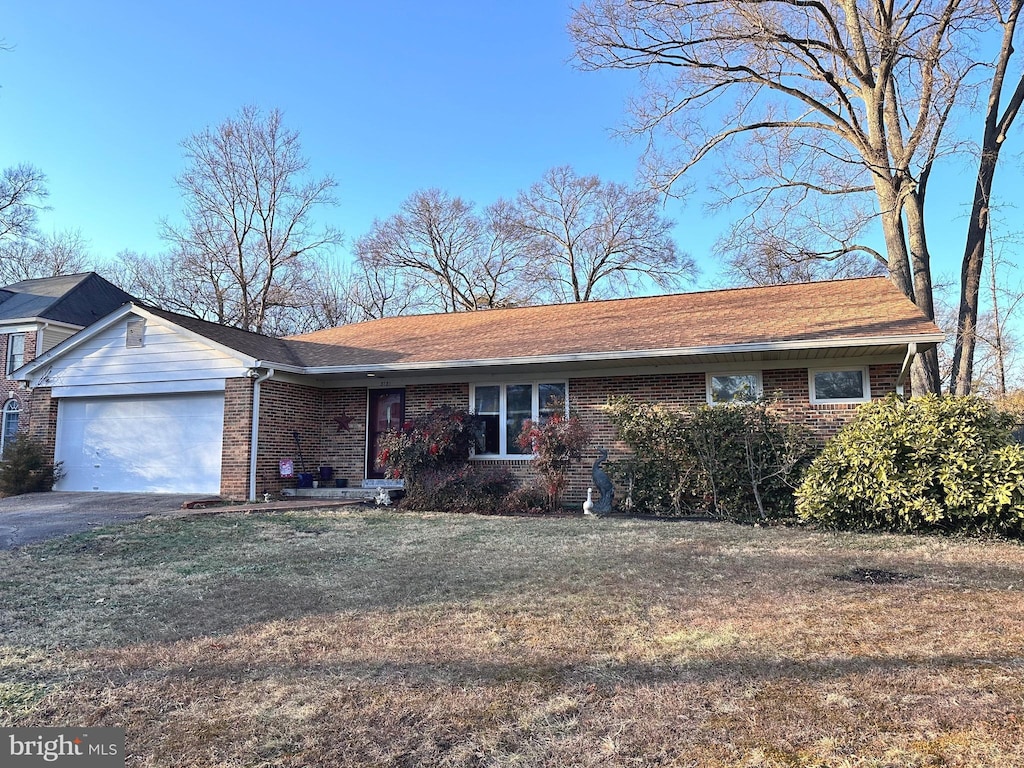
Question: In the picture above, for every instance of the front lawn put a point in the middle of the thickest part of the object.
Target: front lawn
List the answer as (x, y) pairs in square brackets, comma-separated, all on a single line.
[(393, 639)]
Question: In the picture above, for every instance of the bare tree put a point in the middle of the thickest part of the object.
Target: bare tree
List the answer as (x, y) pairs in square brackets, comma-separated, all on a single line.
[(1005, 95), (591, 239), (441, 251), (330, 299), (248, 236), (756, 254), (994, 329), (162, 281), (382, 291), (23, 193), (838, 99), (57, 253)]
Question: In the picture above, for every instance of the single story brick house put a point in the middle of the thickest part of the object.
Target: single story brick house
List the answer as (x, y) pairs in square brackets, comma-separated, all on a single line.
[(148, 400)]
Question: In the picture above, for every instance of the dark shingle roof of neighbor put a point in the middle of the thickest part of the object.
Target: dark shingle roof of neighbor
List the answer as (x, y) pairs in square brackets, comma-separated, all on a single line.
[(827, 312), (79, 299)]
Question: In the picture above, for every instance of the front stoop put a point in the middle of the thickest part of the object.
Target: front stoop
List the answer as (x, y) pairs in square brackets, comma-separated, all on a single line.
[(367, 491)]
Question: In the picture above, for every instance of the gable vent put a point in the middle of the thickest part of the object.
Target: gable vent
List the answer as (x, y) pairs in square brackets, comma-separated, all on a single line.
[(136, 330)]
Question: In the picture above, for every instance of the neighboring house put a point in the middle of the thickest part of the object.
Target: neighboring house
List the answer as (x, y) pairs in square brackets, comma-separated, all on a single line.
[(147, 400), (36, 315)]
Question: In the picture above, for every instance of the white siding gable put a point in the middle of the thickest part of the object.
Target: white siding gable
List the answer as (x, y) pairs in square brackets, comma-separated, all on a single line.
[(169, 361)]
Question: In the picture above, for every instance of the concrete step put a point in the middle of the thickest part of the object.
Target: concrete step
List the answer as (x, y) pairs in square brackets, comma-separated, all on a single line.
[(355, 494)]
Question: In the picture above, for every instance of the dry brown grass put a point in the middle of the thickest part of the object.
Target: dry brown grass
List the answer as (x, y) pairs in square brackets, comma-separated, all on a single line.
[(376, 638)]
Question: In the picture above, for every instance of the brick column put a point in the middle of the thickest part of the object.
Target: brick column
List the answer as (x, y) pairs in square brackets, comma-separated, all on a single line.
[(234, 461)]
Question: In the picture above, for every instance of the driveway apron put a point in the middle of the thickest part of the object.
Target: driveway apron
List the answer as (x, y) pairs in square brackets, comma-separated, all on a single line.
[(34, 517)]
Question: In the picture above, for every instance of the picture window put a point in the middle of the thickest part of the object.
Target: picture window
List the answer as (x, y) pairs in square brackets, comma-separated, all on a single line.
[(503, 408)]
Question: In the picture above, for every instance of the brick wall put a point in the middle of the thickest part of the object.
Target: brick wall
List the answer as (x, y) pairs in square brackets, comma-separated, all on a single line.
[(423, 398), (234, 457), (14, 390), (39, 417), (344, 450), (289, 408)]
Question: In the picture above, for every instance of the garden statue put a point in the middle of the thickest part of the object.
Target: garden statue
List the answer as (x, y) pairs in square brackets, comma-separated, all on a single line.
[(602, 506), (588, 505)]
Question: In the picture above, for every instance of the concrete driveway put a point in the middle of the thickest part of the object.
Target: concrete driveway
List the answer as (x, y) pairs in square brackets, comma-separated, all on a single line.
[(38, 516)]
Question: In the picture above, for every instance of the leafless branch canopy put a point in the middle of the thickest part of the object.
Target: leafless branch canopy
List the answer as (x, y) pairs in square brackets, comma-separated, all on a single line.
[(23, 193), (248, 240), (443, 255), (589, 239), (811, 100)]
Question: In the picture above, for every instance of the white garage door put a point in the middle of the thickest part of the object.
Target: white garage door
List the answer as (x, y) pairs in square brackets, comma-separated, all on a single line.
[(151, 444)]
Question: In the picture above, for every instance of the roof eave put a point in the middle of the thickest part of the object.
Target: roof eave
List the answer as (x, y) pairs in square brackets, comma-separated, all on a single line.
[(923, 341), (39, 320)]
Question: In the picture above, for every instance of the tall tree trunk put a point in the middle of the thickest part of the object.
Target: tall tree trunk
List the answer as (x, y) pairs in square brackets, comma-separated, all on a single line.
[(996, 127), (962, 374), (898, 259), (997, 328), (910, 275), (924, 374)]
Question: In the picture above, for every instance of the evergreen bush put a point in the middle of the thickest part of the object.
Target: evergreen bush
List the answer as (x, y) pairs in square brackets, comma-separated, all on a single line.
[(737, 462), (928, 464), (27, 467)]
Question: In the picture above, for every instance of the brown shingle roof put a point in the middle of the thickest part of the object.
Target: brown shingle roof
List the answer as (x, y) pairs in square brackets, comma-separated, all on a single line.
[(826, 312)]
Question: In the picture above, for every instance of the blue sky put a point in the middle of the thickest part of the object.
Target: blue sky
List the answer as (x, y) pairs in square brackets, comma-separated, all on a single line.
[(474, 97), (478, 98)]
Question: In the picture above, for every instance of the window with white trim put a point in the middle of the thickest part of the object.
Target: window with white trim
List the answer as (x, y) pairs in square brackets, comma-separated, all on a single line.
[(15, 351), (840, 385), (725, 388), (503, 408), (11, 418)]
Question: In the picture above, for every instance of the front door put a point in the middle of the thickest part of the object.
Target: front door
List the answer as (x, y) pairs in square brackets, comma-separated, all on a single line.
[(387, 412)]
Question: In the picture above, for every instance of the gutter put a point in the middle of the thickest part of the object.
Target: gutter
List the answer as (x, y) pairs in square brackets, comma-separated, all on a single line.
[(632, 354), (258, 378), (905, 368)]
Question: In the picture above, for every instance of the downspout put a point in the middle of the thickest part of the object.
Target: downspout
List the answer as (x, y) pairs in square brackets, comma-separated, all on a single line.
[(259, 378), (905, 369)]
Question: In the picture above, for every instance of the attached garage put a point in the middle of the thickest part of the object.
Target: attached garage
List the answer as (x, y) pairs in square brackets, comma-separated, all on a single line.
[(152, 443)]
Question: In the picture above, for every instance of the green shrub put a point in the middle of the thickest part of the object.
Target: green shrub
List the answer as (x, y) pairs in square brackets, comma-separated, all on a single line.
[(27, 467), (738, 462), (928, 464), (659, 474)]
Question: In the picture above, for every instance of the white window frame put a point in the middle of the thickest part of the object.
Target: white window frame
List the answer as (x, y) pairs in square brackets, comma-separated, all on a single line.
[(865, 377), (11, 406), (502, 412), (759, 386), (10, 367)]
